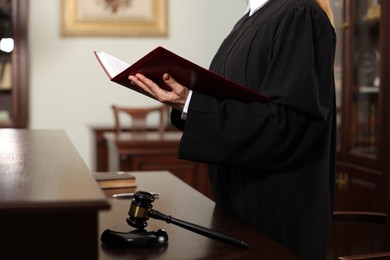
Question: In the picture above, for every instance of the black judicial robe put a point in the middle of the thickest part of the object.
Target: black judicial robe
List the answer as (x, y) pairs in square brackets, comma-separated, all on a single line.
[(273, 164)]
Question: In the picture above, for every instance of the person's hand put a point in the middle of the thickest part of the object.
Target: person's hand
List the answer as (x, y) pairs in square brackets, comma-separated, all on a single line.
[(175, 98)]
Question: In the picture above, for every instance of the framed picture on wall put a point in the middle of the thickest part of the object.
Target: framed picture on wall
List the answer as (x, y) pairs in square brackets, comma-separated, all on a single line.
[(114, 18)]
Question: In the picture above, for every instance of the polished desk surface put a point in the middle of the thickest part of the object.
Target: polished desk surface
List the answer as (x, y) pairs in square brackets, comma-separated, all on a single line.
[(41, 169), (183, 202)]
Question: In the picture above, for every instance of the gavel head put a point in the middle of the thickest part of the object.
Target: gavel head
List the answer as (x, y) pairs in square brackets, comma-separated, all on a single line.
[(139, 209)]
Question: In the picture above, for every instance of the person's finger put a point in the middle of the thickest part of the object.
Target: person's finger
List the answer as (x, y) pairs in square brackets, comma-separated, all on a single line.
[(161, 95), (175, 98), (176, 87), (150, 84), (139, 83)]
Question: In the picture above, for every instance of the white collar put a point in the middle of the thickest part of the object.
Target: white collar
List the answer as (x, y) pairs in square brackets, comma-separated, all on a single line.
[(255, 5)]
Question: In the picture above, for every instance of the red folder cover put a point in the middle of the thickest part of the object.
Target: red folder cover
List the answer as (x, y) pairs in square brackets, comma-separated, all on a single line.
[(160, 61)]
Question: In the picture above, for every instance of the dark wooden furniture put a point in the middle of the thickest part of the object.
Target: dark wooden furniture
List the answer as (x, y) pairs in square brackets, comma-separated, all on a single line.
[(183, 202), (101, 146), (364, 33), (157, 151), (138, 118), (374, 256), (14, 71), (151, 151), (362, 84), (364, 218), (49, 201)]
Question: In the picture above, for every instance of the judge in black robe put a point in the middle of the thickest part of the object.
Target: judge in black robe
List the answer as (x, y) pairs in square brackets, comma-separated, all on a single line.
[(271, 164)]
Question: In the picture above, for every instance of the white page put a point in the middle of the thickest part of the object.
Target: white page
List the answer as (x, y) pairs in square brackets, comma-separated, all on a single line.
[(113, 65)]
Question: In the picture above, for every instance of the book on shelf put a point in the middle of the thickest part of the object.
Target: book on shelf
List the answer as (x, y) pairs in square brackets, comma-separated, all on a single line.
[(160, 60), (110, 180)]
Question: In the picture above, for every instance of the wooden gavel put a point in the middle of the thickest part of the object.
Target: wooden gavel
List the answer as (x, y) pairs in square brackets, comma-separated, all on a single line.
[(141, 210)]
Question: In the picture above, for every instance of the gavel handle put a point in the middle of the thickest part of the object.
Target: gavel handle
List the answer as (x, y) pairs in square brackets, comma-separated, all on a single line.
[(198, 229)]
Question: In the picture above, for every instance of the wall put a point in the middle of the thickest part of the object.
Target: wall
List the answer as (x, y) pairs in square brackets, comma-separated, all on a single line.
[(70, 91)]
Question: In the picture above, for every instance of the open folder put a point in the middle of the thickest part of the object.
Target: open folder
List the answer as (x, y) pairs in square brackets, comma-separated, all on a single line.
[(160, 60)]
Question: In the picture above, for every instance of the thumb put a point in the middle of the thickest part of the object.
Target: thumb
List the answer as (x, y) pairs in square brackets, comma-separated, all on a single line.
[(168, 79), (172, 83)]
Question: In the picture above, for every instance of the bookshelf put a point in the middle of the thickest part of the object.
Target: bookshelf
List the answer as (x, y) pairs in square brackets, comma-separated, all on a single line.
[(13, 64), (362, 71)]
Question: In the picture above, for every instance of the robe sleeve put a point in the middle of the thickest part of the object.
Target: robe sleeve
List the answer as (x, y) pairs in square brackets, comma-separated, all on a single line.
[(286, 132)]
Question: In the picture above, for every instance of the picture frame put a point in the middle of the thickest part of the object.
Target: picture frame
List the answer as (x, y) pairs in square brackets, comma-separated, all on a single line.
[(114, 18)]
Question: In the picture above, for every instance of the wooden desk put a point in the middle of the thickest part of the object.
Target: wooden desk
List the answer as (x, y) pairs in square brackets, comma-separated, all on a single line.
[(185, 203), (48, 198), (101, 147), (153, 151)]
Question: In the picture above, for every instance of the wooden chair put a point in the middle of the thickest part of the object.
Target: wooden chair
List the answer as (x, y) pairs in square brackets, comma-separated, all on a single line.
[(376, 218), (139, 117)]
